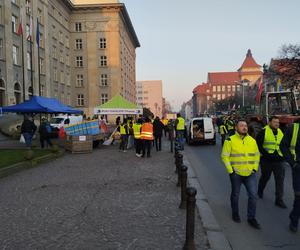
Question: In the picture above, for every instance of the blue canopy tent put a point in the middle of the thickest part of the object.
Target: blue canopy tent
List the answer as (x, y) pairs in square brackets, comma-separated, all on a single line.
[(39, 105)]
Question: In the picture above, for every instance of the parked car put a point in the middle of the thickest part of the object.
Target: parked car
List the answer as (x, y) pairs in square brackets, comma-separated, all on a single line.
[(65, 120), (201, 129)]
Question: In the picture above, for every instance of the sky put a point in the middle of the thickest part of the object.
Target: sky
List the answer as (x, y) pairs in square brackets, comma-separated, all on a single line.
[(183, 40)]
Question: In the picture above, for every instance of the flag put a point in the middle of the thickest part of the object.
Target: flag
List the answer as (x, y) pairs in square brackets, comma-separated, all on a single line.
[(29, 37), (259, 92), (279, 85), (37, 33), (20, 29)]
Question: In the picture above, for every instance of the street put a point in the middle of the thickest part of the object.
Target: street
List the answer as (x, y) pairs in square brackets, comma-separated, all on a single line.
[(214, 180)]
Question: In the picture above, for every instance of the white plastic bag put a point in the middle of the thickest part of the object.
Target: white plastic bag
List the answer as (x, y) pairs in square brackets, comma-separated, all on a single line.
[(22, 139)]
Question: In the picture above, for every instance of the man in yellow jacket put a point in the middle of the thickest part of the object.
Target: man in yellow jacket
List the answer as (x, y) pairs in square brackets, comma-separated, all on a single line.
[(240, 155)]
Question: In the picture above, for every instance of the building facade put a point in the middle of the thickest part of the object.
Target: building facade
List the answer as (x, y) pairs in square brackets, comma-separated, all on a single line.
[(149, 95), (86, 53), (224, 85)]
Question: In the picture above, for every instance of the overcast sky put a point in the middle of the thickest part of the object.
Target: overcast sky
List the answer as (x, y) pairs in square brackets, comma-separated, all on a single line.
[(182, 40)]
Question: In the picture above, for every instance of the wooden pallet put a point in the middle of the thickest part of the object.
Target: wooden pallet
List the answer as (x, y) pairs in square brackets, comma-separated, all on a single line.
[(79, 144)]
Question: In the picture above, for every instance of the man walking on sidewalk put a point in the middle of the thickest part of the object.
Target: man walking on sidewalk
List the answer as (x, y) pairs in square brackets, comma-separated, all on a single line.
[(158, 128), (290, 148), (147, 137), (271, 161), (137, 137), (241, 158), (180, 128), (123, 129)]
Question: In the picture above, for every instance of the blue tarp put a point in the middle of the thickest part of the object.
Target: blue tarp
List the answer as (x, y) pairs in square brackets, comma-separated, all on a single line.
[(40, 104)]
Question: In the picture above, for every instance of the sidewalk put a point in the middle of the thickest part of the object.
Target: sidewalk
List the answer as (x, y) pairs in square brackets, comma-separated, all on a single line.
[(104, 200)]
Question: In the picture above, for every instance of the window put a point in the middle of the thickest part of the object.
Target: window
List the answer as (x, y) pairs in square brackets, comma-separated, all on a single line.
[(219, 88), (15, 54), (54, 52), (214, 96), (27, 3), (62, 77), (104, 80), (80, 100), (28, 61), (214, 88), (14, 23), (1, 15), (54, 32), (219, 96), (41, 40), (228, 88), (223, 96), (79, 81), (27, 30), (102, 43), (40, 16), (1, 49), (67, 42), (55, 74), (104, 98), (233, 88), (223, 88), (41, 65), (78, 27), (14, 2), (79, 61), (68, 60), (103, 61), (78, 44), (61, 57), (61, 39)]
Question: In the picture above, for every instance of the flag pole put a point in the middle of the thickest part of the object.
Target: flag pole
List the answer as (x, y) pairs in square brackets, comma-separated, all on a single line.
[(23, 63), (38, 44), (31, 69)]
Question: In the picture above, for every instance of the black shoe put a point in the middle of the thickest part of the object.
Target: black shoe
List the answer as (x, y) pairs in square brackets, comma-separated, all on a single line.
[(280, 203), (236, 218), (260, 194), (253, 223), (293, 228)]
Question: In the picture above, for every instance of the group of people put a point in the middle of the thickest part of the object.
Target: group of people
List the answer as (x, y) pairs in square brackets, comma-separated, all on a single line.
[(148, 133), (272, 150), (28, 129)]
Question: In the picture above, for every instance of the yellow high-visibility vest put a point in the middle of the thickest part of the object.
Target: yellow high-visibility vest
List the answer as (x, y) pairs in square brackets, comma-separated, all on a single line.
[(240, 155), (223, 130), (272, 143), (181, 124), (137, 130), (122, 130), (294, 140)]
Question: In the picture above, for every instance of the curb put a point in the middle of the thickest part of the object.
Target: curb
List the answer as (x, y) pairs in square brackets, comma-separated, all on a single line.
[(215, 235), (15, 168)]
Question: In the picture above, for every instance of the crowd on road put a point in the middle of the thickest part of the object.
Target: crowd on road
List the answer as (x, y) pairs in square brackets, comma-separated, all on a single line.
[(245, 149), (144, 133)]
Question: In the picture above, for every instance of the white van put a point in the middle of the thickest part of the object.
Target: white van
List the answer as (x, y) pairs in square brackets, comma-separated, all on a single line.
[(65, 120), (201, 129)]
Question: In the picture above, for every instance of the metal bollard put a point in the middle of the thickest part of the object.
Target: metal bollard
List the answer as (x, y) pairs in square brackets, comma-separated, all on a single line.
[(183, 180), (178, 161), (190, 219), (178, 169)]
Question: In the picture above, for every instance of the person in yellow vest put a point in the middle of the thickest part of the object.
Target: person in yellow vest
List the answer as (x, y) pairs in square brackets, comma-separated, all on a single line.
[(271, 161), (180, 129), (137, 137), (290, 148), (240, 156), (147, 137), (223, 132), (165, 122), (123, 129), (230, 125)]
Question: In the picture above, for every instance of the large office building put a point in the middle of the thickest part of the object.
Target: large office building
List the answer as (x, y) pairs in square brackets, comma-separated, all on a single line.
[(149, 95), (86, 51)]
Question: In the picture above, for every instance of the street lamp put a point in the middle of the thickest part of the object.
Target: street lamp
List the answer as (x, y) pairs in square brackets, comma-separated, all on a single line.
[(243, 83)]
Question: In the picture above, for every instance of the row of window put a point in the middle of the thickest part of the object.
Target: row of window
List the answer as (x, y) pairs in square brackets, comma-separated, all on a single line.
[(79, 43), (102, 61), (80, 80), (223, 88), (81, 101)]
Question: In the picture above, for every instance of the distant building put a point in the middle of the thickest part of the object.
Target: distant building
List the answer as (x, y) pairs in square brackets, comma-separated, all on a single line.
[(149, 95), (87, 51), (223, 85)]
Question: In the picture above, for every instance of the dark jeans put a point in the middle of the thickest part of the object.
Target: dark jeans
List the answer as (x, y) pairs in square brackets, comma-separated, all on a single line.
[(180, 139), (28, 139), (223, 137), (250, 184), (158, 143), (278, 169), (138, 146), (295, 213), (123, 144), (147, 147), (43, 139)]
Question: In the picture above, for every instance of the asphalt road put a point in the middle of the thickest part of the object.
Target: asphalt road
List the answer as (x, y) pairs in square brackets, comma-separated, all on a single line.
[(214, 180)]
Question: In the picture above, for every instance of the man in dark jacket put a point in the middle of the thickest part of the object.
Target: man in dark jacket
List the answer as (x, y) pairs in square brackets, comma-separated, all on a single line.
[(28, 129), (158, 128), (290, 147), (45, 132), (272, 160)]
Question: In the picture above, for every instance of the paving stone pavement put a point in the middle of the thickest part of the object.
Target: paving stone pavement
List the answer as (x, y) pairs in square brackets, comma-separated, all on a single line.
[(104, 200)]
